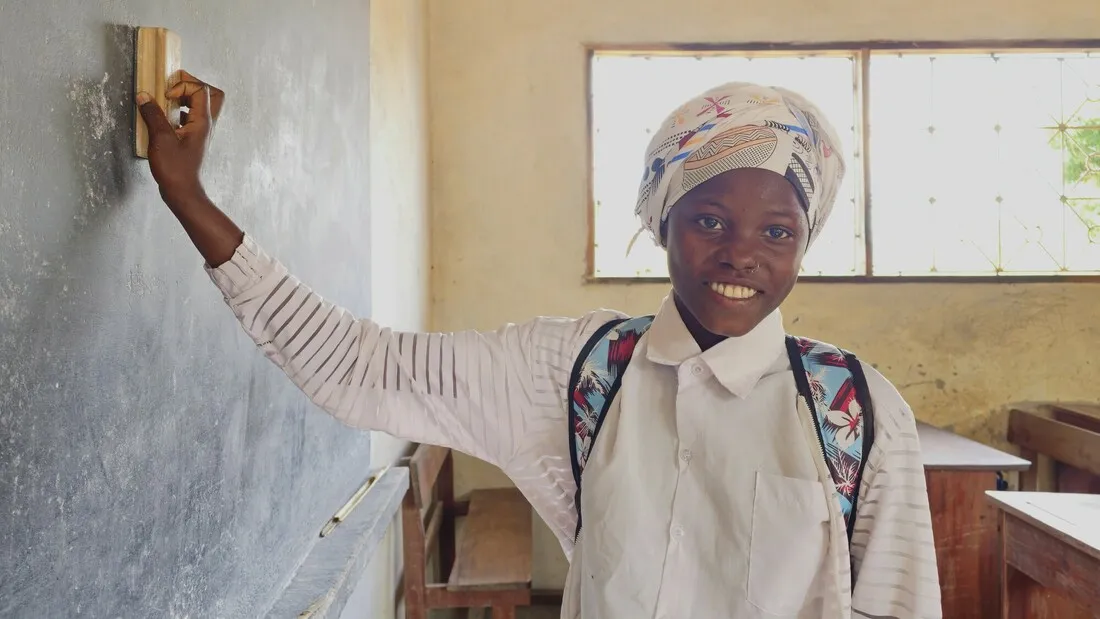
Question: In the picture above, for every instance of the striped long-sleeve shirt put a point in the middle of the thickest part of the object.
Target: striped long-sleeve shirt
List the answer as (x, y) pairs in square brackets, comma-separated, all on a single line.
[(703, 496)]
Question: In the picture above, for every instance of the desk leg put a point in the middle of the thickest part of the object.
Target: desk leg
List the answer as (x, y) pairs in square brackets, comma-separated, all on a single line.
[(1017, 589), (1022, 597), (1018, 592), (964, 527)]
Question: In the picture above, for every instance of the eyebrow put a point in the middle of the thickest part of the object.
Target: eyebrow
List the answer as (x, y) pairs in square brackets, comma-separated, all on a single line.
[(776, 212)]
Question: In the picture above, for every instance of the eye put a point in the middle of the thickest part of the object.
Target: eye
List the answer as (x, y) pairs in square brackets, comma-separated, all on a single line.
[(710, 223), (778, 233)]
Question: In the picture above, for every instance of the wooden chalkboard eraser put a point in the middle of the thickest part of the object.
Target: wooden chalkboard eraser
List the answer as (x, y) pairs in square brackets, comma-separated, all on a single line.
[(156, 67)]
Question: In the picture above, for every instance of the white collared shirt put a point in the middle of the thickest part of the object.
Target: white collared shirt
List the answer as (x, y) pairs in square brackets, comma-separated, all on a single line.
[(704, 495)]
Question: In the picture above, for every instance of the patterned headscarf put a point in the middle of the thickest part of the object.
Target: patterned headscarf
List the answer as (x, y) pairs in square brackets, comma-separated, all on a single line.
[(741, 125)]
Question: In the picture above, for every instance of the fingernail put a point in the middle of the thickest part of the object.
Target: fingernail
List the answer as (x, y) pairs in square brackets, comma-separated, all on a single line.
[(143, 98)]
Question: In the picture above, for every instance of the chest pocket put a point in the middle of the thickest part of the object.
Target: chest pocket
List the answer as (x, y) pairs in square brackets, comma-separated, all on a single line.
[(789, 543)]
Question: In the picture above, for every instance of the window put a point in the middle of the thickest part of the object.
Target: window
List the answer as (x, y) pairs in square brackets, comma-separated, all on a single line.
[(960, 163)]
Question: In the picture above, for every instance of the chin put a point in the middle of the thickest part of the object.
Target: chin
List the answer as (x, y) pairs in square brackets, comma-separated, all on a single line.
[(731, 329), (722, 317), (722, 321)]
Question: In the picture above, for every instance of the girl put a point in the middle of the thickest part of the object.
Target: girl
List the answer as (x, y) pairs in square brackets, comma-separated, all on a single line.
[(735, 474)]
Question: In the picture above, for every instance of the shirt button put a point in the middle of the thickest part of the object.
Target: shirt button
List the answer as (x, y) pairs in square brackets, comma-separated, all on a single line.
[(677, 532), (685, 455), (697, 370)]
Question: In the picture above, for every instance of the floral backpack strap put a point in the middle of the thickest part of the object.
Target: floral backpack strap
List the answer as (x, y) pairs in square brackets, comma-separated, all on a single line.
[(831, 381), (596, 377)]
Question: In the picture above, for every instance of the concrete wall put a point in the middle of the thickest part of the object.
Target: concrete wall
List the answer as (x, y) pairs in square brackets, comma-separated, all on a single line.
[(509, 182), (154, 463)]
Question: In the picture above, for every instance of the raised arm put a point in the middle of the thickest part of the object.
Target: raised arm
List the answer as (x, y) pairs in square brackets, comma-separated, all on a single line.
[(487, 394), (473, 391)]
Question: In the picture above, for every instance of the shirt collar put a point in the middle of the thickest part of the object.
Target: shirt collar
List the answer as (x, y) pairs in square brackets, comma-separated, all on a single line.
[(737, 362)]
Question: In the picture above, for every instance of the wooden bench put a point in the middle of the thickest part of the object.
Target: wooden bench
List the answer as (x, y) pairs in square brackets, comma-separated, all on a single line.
[(1050, 559), (1064, 442), (486, 565), (958, 472)]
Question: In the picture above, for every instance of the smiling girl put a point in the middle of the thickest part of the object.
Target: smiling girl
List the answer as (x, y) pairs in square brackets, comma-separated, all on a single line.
[(738, 471)]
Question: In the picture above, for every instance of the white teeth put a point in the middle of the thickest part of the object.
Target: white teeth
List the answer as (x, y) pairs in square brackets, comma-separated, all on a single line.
[(733, 292)]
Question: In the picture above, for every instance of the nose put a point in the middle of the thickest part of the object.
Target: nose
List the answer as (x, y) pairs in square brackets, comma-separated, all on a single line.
[(738, 255)]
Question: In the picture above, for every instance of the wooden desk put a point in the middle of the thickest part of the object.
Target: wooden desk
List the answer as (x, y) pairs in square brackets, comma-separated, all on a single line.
[(1050, 544), (958, 472)]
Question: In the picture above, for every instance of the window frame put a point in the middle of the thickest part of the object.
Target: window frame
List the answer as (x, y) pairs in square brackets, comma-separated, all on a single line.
[(861, 52)]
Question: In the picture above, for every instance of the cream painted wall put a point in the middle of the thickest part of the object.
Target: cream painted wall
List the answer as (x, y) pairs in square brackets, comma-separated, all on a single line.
[(373, 597), (509, 183), (399, 237)]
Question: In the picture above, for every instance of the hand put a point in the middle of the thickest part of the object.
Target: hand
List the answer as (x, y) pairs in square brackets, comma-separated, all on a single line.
[(175, 155), (175, 158)]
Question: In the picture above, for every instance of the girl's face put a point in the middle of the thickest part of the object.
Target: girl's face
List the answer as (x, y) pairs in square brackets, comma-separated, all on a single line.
[(735, 246)]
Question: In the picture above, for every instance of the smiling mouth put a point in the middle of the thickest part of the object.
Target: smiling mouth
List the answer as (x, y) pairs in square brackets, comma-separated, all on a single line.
[(732, 291)]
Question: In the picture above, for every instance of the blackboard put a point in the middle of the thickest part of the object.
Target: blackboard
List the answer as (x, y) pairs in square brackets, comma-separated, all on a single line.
[(152, 462)]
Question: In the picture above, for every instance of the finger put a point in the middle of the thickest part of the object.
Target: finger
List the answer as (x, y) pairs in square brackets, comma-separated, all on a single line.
[(184, 90), (189, 86), (153, 116), (187, 77), (199, 120), (217, 99), (184, 75), (199, 106)]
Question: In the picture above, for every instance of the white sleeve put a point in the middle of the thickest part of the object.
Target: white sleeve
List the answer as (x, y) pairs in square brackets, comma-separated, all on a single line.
[(893, 553), (475, 392)]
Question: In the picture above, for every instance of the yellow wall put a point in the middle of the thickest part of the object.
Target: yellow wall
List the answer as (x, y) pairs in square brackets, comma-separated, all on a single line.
[(509, 183), (399, 233), (400, 217)]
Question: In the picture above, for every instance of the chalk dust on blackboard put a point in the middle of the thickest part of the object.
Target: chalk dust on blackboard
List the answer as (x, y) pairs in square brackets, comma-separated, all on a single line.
[(93, 107), (102, 113)]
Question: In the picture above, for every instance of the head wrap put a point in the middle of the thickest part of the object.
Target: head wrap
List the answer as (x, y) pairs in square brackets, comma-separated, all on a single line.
[(741, 125)]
